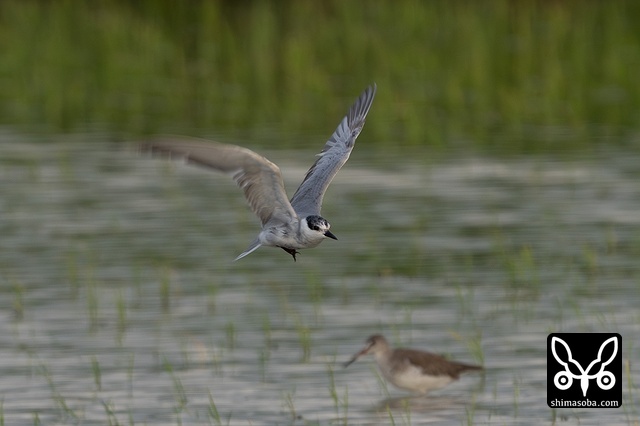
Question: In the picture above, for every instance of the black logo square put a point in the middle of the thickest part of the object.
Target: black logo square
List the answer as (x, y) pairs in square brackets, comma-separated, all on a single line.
[(584, 370)]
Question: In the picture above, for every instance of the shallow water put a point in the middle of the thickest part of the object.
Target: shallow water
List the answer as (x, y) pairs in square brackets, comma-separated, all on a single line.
[(121, 303)]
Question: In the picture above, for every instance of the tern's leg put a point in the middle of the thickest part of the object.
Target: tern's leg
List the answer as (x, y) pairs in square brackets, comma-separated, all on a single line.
[(292, 252)]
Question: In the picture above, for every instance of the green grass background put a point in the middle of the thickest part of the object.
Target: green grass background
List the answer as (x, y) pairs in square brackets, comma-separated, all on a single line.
[(503, 76)]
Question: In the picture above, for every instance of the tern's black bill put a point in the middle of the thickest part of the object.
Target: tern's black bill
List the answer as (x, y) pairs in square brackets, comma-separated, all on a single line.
[(330, 235)]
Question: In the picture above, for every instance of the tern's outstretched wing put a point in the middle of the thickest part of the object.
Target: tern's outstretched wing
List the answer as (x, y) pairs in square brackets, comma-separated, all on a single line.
[(308, 198), (258, 177)]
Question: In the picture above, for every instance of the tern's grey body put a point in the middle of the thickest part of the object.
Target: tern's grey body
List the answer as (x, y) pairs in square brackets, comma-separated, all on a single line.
[(290, 225)]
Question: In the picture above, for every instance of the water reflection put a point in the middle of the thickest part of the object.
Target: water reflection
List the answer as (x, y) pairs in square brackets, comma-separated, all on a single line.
[(418, 404)]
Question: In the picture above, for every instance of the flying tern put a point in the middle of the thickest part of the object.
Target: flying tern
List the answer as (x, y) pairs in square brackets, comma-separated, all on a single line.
[(291, 225)]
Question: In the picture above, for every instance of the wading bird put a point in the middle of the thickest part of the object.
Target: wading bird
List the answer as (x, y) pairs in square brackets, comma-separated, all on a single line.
[(410, 369)]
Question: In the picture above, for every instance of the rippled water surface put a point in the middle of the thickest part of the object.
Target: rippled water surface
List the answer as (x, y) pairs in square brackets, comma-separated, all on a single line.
[(121, 304)]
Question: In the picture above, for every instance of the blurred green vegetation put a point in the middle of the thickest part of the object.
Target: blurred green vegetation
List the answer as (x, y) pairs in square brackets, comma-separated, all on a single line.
[(515, 76)]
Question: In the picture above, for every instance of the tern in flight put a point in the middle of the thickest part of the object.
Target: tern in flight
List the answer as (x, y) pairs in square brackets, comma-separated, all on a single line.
[(291, 225)]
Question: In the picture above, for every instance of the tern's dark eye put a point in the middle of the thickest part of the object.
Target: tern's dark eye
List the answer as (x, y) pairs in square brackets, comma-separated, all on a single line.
[(315, 227)]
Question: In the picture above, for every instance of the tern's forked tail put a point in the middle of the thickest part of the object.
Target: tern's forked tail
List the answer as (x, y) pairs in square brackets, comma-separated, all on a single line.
[(255, 245)]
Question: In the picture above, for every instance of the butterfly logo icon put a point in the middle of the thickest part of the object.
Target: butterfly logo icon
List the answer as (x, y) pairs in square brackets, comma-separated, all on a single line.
[(564, 379)]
